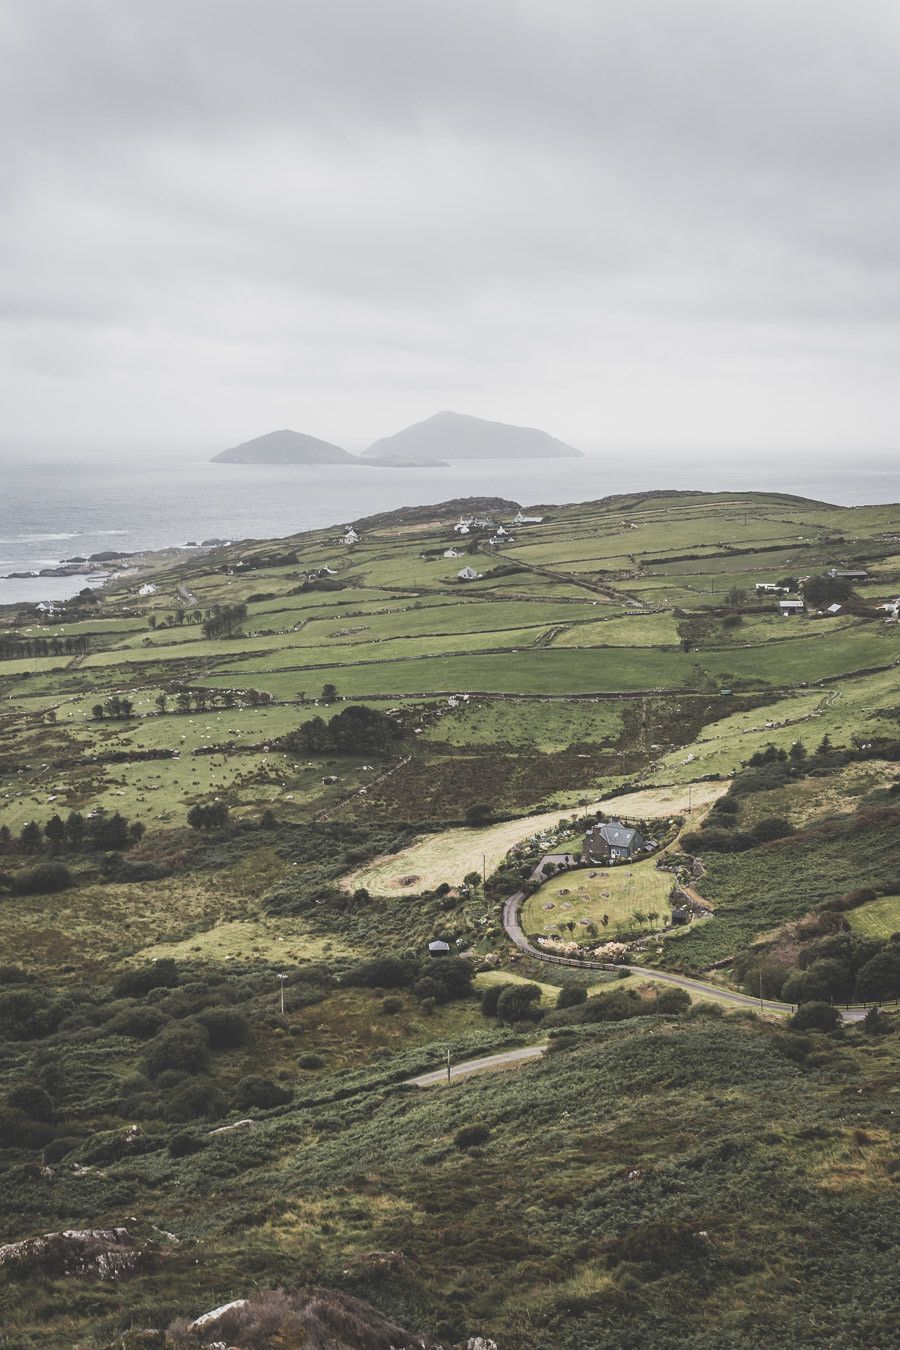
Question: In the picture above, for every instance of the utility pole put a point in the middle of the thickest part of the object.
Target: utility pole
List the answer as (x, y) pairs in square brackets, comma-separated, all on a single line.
[(760, 993), (282, 979), (448, 1066)]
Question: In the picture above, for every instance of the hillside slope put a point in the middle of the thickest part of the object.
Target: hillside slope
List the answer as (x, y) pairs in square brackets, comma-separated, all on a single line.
[(454, 436), (284, 447)]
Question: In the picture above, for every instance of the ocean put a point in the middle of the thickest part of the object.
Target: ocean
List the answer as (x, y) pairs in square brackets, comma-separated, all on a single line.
[(51, 510)]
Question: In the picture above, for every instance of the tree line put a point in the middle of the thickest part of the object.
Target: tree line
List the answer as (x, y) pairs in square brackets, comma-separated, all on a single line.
[(14, 646), (100, 831)]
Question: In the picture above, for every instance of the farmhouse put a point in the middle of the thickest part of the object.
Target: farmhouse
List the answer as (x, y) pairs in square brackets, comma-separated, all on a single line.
[(468, 574), (770, 588), (451, 553), (520, 519), (350, 537), (612, 842)]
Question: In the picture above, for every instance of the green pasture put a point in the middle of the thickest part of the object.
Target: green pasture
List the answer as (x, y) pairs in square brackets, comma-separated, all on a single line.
[(877, 919), (638, 630), (536, 671), (586, 895), (550, 726)]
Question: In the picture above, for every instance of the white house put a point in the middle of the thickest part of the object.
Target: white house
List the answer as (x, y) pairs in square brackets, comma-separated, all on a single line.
[(350, 536), (892, 609), (520, 519), (147, 589), (788, 607), (770, 588), (468, 574), (452, 553)]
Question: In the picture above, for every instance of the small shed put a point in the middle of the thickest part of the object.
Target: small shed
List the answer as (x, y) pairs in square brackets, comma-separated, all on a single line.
[(438, 948), (790, 606)]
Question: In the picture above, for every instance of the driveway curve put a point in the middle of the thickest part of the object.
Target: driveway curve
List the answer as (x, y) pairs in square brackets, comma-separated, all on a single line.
[(514, 931)]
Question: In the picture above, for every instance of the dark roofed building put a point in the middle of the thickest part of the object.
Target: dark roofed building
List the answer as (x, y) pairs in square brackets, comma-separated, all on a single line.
[(612, 842)]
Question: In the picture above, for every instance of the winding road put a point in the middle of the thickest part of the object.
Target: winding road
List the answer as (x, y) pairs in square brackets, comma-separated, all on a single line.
[(515, 933)]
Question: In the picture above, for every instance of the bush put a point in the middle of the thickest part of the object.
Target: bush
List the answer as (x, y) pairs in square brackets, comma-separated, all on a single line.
[(18, 1131), (194, 1100), (815, 1017), (42, 880), (773, 827), (793, 1047), (517, 1002), (384, 972), (391, 1005), (183, 1047), (673, 1001), (471, 1136), (571, 996), (183, 1144), (875, 1023), (262, 1092), (136, 983), (310, 1061), (141, 1023), (430, 988), (32, 1100), (226, 1028), (804, 987), (880, 977)]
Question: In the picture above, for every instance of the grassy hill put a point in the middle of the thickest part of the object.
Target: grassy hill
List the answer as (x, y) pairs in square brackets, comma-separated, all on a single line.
[(694, 1176)]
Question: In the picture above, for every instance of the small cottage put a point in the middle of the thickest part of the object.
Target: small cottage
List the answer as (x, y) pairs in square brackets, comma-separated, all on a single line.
[(438, 948), (468, 574), (612, 842)]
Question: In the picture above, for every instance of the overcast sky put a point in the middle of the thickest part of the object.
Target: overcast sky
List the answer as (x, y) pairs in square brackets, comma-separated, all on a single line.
[(669, 223)]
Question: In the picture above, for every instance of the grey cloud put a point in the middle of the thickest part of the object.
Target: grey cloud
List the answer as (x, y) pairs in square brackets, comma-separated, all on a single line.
[(268, 210)]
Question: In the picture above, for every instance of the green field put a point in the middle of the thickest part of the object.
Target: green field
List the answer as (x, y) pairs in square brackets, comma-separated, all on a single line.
[(587, 895)]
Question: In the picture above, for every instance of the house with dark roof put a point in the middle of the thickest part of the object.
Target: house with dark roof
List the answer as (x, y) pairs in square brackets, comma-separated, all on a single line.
[(612, 842)]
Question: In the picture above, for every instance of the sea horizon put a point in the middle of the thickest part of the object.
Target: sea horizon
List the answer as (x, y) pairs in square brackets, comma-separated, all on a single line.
[(52, 508)]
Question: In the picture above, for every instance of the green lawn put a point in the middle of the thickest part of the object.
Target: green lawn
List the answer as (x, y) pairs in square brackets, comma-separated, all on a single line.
[(587, 894)]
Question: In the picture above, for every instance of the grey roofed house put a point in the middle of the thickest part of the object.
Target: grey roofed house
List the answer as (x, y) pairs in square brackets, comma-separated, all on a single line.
[(438, 948), (612, 840)]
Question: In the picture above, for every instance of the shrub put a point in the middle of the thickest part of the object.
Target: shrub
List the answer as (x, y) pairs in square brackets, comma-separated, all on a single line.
[(471, 1136), (673, 1001), (773, 827), (383, 972), (703, 1009), (793, 1047), (815, 1017), (571, 996), (18, 1131), (226, 1028), (256, 1090), (875, 1023), (183, 1047), (183, 1144), (804, 987), (430, 988), (517, 1002), (879, 977), (195, 1099), (32, 1100), (136, 983), (141, 1023), (310, 1061), (42, 880), (391, 1005)]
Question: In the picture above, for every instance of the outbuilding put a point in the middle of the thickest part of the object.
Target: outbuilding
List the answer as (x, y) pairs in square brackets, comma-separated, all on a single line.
[(438, 948)]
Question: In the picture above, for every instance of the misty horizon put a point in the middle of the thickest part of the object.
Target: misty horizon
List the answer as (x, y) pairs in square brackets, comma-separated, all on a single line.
[(638, 228)]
